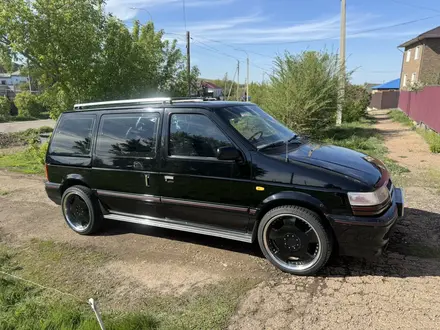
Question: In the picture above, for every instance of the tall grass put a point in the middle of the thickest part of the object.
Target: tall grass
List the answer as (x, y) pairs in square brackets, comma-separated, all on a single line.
[(401, 117)]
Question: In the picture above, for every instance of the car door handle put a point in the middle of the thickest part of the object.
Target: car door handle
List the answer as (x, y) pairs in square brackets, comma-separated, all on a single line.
[(169, 178), (147, 180)]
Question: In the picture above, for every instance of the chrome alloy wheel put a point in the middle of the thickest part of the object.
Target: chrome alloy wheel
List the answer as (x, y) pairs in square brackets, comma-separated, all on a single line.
[(292, 242)]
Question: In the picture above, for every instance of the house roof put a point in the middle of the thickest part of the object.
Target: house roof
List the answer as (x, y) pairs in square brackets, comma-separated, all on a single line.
[(434, 33), (393, 84), (208, 84)]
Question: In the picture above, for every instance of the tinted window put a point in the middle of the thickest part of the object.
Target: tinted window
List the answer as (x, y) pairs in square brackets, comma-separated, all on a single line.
[(130, 135), (195, 135), (73, 135)]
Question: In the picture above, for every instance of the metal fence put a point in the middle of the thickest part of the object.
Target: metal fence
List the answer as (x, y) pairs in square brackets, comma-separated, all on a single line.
[(422, 106)]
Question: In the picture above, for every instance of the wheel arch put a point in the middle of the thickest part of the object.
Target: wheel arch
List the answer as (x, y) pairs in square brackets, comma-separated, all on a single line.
[(73, 180), (292, 198)]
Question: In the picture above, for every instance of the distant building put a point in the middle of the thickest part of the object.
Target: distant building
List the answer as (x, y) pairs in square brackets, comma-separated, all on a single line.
[(385, 96), (12, 79), (421, 59), (9, 83), (211, 90)]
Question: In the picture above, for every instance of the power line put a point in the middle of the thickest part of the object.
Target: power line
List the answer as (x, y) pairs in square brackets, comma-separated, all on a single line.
[(351, 34), (234, 47), (184, 12), (203, 45)]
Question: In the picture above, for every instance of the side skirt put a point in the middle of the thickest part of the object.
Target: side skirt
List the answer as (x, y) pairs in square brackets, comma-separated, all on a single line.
[(181, 226)]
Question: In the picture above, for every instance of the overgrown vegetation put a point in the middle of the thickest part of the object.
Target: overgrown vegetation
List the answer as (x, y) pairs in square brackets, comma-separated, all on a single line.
[(74, 270), (22, 138), (431, 137)]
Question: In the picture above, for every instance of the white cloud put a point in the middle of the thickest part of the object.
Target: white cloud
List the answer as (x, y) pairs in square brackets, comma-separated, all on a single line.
[(257, 29), (122, 8)]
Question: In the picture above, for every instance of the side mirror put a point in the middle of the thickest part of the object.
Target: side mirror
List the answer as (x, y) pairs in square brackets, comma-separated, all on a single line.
[(228, 153)]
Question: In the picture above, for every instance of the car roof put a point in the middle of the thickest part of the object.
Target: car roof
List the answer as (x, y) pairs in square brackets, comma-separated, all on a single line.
[(195, 105)]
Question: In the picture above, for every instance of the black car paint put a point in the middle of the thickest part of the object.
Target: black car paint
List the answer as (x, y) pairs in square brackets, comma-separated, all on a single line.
[(224, 193)]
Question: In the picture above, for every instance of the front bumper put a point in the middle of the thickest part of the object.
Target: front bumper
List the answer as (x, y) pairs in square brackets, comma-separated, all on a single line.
[(367, 236)]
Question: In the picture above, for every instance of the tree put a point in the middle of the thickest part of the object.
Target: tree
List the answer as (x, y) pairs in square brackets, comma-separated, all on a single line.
[(78, 53)]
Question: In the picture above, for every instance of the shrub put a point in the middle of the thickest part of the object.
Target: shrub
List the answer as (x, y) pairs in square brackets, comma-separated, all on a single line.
[(28, 104), (357, 100), (304, 91), (5, 108), (38, 152)]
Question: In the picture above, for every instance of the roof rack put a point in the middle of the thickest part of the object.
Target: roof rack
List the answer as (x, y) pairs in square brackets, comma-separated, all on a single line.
[(134, 102)]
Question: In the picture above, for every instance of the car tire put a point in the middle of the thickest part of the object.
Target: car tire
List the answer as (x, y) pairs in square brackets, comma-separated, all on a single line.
[(79, 203), (298, 231)]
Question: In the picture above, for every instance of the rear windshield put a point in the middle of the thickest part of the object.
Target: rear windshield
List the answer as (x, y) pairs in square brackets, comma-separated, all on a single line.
[(73, 135)]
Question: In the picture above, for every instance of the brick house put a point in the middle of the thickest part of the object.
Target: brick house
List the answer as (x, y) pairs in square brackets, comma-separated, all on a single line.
[(421, 59)]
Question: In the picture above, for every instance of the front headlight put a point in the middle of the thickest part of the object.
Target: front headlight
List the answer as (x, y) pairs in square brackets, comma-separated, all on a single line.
[(370, 203), (369, 198)]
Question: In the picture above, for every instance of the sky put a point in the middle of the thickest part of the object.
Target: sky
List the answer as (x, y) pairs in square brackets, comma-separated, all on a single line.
[(224, 31)]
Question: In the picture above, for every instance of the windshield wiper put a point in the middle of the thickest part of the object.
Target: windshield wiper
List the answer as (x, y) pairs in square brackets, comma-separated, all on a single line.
[(277, 143)]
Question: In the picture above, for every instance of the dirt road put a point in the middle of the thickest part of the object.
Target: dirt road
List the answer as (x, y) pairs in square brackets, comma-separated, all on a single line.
[(18, 126), (398, 291)]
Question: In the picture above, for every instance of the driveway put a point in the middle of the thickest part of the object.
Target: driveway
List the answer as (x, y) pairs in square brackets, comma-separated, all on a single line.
[(18, 126)]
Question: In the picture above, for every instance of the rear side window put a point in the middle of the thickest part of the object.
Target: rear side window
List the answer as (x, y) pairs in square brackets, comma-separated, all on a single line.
[(128, 135), (73, 135)]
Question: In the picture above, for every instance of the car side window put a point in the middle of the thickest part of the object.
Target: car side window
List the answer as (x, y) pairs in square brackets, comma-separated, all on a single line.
[(73, 135), (194, 135), (128, 135)]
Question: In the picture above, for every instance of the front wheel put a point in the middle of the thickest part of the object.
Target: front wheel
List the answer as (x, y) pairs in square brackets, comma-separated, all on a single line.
[(294, 239)]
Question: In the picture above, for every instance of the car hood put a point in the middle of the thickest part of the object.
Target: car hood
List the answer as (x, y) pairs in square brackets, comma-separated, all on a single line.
[(342, 160)]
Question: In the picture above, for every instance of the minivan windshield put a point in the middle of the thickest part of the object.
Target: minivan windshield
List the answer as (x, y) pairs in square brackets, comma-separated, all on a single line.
[(256, 126)]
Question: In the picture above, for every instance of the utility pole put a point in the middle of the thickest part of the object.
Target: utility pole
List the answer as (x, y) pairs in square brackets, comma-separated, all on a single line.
[(238, 80), (247, 80), (341, 64), (188, 61)]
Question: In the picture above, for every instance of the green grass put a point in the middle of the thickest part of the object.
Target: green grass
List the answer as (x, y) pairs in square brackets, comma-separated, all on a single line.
[(78, 271), (22, 161), (3, 192), (432, 138), (401, 117)]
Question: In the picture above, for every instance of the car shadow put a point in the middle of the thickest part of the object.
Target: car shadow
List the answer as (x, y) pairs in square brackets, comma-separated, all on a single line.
[(120, 228), (413, 251)]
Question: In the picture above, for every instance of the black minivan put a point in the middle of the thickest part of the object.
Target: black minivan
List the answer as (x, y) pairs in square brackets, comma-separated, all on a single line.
[(225, 169)]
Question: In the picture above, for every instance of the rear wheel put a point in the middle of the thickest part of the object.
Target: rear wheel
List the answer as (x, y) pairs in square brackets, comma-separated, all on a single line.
[(81, 210), (294, 240)]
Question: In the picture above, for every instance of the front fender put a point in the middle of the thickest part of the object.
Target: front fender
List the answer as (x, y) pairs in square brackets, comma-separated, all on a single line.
[(296, 197)]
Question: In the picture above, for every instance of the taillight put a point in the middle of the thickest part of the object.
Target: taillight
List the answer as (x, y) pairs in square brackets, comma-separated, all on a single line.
[(45, 170)]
